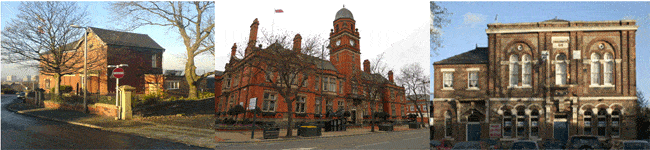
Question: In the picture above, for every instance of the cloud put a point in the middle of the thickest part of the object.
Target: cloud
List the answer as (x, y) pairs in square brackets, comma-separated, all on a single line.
[(473, 19)]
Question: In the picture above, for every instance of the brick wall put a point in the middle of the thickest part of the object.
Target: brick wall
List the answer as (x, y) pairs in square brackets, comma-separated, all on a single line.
[(98, 108)]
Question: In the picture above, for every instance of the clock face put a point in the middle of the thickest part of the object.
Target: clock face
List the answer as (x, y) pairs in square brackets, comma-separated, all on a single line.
[(352, 42), (338, 42)]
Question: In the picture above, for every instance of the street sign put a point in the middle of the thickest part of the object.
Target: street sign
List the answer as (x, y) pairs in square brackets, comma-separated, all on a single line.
[(118, 73), (252, 103)]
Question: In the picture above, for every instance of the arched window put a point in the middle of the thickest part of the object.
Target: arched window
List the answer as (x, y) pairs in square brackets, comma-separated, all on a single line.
[(534, 123), (521, 122), (608, 77), (588, 121), (526, 72), (602, 122), (507, 124), (448, 129), (560, 69), (514, 70), (337, 28), (595, 69), (615, 122)]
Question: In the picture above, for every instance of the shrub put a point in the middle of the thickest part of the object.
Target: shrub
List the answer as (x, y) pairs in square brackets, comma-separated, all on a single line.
[(236, 110), (62, 89), (204, 95)]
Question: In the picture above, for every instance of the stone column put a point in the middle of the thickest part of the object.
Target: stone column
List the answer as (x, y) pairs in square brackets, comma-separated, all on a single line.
[(125, 102)]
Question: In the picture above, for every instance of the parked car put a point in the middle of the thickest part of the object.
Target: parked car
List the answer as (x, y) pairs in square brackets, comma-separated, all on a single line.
[(583, 142), (471, 145), (524, 144), (438, 145), (21, 95), (633, 144), (553, 144), (493, 144)]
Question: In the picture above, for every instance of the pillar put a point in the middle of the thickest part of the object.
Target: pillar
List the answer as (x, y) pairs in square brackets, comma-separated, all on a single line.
[(125, 102)]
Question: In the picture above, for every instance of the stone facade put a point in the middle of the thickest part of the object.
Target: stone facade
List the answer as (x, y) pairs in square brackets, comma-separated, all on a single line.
[(540, 81)]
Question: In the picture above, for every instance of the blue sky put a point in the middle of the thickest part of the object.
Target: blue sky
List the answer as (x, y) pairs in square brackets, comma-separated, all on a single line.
[(470, 19), (101, 18)]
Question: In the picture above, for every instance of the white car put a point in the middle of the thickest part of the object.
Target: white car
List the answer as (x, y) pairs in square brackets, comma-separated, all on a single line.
[(21, 95)]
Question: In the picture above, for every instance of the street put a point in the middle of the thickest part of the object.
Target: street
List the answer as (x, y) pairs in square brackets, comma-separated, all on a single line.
[(414, 139), (26, 132)]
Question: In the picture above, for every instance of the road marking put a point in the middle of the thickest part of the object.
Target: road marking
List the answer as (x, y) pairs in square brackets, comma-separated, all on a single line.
[(300, 148), (411, 138), (371, 144)]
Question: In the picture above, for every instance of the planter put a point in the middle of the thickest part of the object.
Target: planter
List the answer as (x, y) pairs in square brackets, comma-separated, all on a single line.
[(414, 125), (271, 133), (317, 115), (307, 131), (386, 127), (268, 114), (301, 115)]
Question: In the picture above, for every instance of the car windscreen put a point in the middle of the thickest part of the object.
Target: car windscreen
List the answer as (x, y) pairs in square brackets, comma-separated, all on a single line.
[(523, 145), (467, 145), (636, 145), (584, 141)]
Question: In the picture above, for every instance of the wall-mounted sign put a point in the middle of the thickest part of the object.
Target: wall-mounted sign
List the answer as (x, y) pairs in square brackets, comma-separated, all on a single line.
[(560, 41), (252, 103), (576, 54), (495, 130)]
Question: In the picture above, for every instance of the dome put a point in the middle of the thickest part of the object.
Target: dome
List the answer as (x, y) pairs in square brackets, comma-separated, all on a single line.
[(343, 13)]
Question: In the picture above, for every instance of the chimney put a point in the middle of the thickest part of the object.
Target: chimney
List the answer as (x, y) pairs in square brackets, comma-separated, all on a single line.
[(390, 76), (234, 50), (366, 66), (297, 43), (253, 36)]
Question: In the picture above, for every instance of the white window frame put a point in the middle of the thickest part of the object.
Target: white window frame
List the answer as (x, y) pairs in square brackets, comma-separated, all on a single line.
[(526, 71), (172, 84), (560, 70), (617, 125), (154, 61), (513, 71), (446, 75), (300, 104), (470, 79), (530, 123), (341, 105), (608, 69), (590, 125), (595, 70), (270, 100), (318, 107), (503, 125), (412, 108)]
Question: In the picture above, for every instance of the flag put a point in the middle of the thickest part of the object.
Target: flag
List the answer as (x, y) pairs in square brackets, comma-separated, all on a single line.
[(279, 11)]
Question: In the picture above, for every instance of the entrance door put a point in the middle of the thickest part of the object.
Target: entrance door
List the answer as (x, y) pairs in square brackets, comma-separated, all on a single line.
[(561, 130), (354, 116), (473, 131)]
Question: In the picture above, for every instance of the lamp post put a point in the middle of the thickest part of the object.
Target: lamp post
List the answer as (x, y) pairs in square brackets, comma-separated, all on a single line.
[(85, 66)]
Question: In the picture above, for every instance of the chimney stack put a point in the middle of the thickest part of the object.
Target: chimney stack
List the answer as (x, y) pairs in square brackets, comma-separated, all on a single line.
[(297, 43), (366, 66), (234, 50), (390, 76), (252, 39)]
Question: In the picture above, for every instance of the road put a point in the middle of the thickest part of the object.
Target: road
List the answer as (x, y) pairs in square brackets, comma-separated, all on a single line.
[(414, 139), (26, 132)]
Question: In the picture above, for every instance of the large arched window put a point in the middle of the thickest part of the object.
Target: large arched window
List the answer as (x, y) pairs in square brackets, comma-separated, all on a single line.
[(595, 69), (588, 121), (534, 123), (526, 72), (608, 77), (448, 129), (560, 69), (514, 70), (602, 122), (615, 122), (521, 122), (507, 124)]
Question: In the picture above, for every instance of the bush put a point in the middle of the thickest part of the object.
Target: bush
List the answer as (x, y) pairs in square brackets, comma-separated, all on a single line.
[(238, 109), (63, 89), (204, 95)]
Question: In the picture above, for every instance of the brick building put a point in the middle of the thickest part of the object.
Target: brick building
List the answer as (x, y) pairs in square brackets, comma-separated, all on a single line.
[(540, 80), (107, 47), (330, 89), (422, 104)]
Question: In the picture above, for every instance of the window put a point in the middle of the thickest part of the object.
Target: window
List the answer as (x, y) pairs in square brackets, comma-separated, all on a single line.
[(412, 108), (332, 84), (526, 72), (393, 110), (154, 63), (170, 85), (325, 84), (300, 104), (403, 110), (381, 107), (609, 68), (521, 123), (304, 81), (227, 83), (560, 69), (269, 76), (316, 81), (448, 124), (615, 122), (269, 102), (587, 122), (595, 69), (514, 71), (507, 124), (447, 81), (341, 86), (534, 123), (473, 80), (235, 81), (602, 122), (330, 106), (317, 106), (424, 107), (341, 105)]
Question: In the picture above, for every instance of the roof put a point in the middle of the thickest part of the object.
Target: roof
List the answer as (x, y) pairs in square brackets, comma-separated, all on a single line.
[(374, 77), (423, 96), (476, 56), (323, 64), (343, 13), (126, 38)]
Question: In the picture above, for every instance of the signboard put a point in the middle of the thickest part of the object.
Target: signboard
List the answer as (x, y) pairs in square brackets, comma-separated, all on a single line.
[(576, 54), (495, 130), (252, 103), (118, 73), (560, 41)]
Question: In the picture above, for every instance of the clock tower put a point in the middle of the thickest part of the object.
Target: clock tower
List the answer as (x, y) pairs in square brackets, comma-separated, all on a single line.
[(344, 43)]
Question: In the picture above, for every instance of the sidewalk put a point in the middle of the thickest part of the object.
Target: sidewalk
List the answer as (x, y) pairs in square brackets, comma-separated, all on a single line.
[(192, 130)]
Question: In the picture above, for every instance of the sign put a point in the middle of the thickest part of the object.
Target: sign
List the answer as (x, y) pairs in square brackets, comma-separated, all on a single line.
[(560, 41), (495, 130), (252, 103), (576, 54), (118, 73)]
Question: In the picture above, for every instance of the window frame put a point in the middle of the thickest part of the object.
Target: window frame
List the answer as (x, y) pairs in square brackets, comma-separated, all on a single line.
[(447, 80), (271, 100), (300, 104), (513, 71), (470, 79), (560, 70), (595, 70)]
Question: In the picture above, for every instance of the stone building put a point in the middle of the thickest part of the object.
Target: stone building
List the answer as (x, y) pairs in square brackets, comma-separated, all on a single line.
[(539, 81), (329, 89)]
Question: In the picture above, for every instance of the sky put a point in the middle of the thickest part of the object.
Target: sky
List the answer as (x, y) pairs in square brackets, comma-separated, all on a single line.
[(100, 15), (397, 28), (470, 19)]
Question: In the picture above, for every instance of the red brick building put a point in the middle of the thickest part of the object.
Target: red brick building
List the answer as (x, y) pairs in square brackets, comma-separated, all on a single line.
[(539, 81), (329, 89), (422, 104), (139, 51)]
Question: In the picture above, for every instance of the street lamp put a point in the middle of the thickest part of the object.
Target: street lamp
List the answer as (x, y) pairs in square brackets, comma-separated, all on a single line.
[(85, 66)]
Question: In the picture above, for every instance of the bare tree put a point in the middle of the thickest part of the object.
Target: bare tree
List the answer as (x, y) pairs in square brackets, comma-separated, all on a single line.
[(438, 20), (41, 36), (369, 85), (194, 21), (416, 84)]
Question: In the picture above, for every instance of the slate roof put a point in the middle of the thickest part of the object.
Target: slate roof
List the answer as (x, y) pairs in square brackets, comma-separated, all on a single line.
[(476, 56), (126, 38), (343, 13)]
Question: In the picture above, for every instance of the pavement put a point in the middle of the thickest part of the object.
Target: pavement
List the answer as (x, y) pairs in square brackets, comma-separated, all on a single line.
[(192, 130)]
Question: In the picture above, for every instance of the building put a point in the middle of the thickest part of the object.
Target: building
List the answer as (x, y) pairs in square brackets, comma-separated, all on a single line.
[(330, 89), (173, 83), (139, 51), (11, 78), (540, 81), (422, 103)]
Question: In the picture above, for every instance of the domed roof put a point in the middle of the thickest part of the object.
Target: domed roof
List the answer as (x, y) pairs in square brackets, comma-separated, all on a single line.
[(343, 13)]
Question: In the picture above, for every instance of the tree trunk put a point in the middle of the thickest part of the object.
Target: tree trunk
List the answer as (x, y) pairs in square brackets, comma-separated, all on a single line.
[(58, 85), (372, 116), (289, 117), (191, 77)]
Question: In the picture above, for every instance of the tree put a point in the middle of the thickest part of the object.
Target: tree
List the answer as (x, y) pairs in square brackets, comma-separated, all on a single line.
[(371, 84), (415, 83), (193, 20), (643, 116), (438, 20), (41, 36)]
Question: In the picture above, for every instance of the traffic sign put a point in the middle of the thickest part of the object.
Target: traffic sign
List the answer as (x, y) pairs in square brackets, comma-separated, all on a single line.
[(118, 73)]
